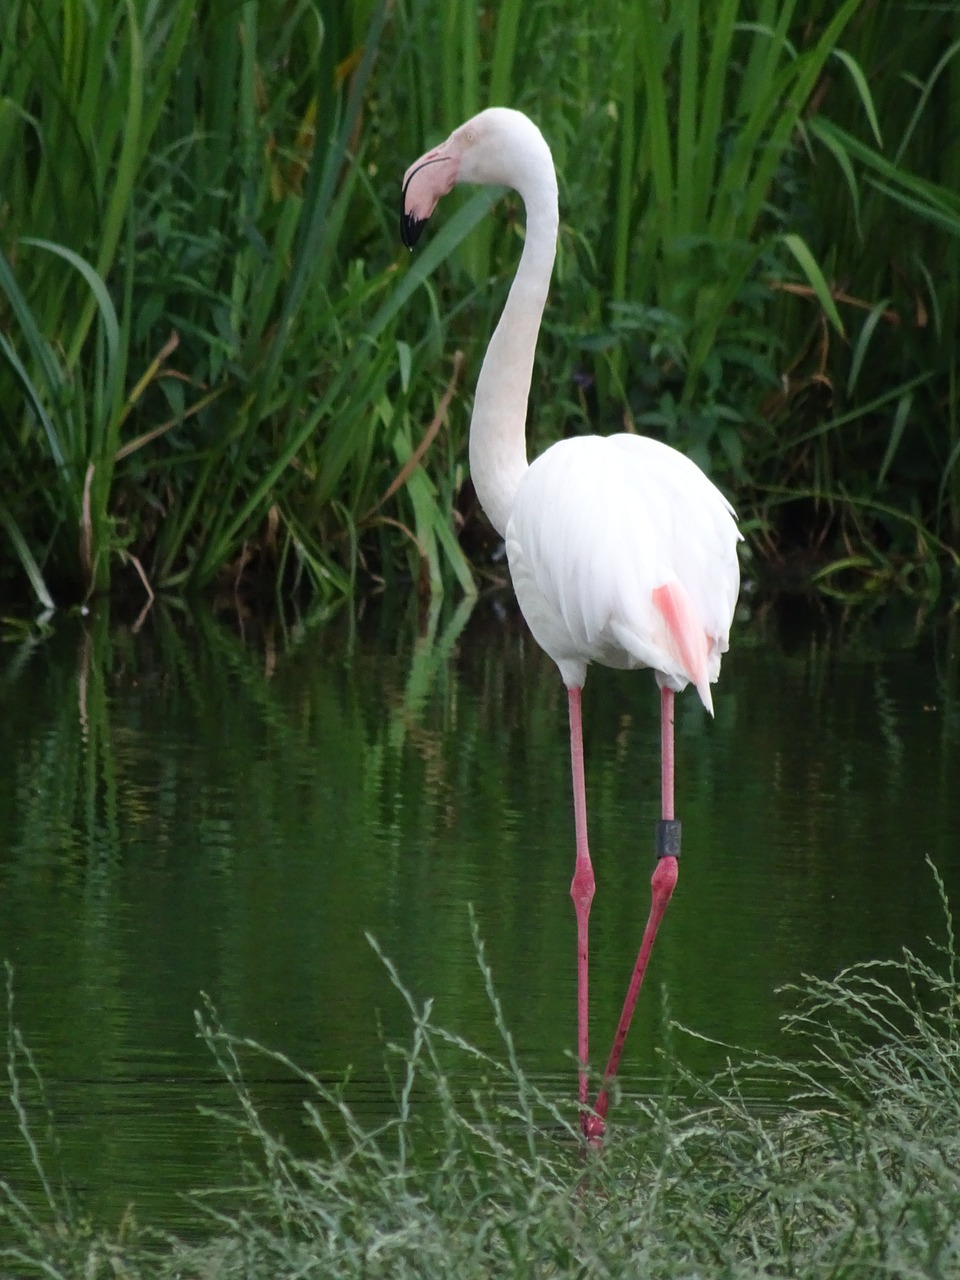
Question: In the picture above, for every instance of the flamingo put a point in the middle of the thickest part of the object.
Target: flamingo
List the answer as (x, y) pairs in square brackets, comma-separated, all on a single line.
[(620, 550)]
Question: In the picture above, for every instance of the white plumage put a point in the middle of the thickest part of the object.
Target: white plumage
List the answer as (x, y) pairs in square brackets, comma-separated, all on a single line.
[(597, 523), (620, 549)]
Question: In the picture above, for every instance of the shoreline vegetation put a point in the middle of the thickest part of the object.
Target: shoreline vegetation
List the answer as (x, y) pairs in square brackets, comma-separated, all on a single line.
[(217, 365), (855, 1172)]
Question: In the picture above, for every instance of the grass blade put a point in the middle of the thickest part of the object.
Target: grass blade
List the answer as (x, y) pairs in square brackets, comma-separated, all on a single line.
[(814, 276), (25, 556)]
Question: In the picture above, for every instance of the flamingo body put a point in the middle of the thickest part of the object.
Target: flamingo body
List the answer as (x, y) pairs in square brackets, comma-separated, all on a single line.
[(598, 525)]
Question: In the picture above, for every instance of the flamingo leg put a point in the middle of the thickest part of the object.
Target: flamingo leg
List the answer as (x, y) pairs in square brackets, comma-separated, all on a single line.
[(662, 885), (581, 890)]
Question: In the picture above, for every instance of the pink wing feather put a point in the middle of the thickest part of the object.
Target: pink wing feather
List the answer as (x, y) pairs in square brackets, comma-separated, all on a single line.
[(686, 636)]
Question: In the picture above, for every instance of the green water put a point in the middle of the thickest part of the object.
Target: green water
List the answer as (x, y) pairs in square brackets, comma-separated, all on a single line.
[(209, 807)]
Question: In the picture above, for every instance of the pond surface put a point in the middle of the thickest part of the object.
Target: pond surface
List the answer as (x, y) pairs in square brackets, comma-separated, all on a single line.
[(205, 807)]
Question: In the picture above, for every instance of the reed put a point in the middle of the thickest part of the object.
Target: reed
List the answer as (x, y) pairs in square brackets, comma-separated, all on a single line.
[(264, 427), (204, 374), (710, 101), (883, 213), (80, 113)]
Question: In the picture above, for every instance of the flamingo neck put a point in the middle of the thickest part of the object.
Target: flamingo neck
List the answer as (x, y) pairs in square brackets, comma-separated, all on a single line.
[(498, 448)]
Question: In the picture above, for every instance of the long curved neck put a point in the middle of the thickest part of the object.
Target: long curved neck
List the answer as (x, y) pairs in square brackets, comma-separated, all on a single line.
[(498, 448)]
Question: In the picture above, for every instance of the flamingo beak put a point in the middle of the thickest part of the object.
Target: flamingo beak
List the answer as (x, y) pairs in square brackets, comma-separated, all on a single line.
[(424, 184)]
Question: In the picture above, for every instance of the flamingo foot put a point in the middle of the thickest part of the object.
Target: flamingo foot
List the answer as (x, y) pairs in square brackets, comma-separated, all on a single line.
[(593, 1128)]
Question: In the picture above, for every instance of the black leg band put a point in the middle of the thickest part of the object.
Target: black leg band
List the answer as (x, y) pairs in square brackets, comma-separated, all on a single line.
[(668, 838)]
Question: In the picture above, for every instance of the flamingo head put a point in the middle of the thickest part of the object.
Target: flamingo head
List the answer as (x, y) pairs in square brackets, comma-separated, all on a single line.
[(495, 147)]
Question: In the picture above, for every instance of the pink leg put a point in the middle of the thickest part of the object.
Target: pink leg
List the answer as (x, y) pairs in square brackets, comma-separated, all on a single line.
[(581, 887), (662, 884), (666, 754)]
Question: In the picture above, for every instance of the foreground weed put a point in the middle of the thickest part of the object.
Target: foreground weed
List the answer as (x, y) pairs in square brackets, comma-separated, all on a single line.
[(855, 1172)]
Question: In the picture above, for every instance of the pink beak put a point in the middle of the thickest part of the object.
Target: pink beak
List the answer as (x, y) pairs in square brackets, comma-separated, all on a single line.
[(424, 183)]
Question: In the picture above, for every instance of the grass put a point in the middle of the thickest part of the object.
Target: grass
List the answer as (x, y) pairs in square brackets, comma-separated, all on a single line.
[(854, 1171), (215, 370), (871, 403), (710, 103), (73, 141), (201, 363)]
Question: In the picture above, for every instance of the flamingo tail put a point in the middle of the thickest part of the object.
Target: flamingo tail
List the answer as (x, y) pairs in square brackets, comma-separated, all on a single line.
[(688, 640)]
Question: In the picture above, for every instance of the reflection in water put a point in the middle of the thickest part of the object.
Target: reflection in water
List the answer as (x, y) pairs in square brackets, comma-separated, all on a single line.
[(193, 810)]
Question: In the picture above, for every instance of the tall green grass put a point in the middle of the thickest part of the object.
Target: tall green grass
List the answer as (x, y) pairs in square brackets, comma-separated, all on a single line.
[(869, 428), (709, 98), (214, 369), (202, 175), (78, 115), (854, 1169)]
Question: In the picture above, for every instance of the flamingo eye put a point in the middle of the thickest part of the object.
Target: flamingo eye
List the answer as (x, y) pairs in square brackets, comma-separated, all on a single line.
[(470, 137)]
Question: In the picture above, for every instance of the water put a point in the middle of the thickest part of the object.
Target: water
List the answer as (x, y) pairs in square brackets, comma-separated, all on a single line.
[(208, 807)]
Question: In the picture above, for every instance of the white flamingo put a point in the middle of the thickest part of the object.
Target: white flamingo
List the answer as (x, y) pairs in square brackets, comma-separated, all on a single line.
[(621, 551)]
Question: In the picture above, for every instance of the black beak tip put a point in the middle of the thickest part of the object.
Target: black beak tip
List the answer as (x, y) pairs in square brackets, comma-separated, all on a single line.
[(410, 228)]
